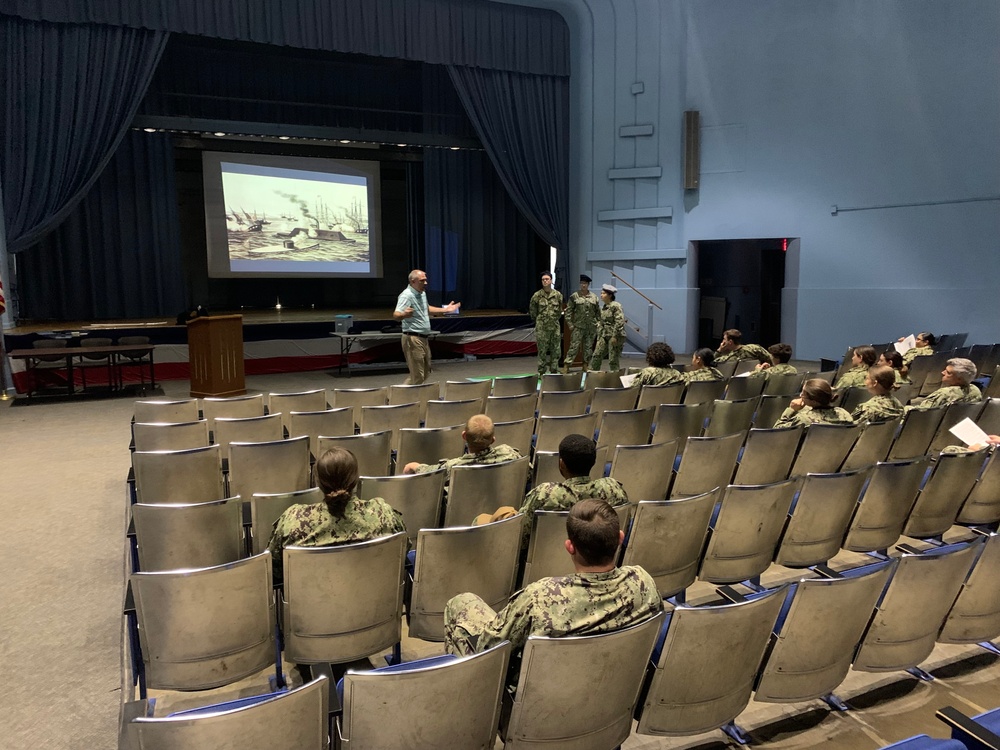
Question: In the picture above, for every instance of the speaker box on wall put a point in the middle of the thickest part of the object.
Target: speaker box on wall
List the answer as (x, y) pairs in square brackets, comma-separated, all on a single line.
[(692, 149)]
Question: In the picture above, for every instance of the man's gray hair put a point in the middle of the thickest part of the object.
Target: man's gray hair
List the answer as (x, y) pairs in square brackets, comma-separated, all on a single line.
[(413, 275), (965, 369)]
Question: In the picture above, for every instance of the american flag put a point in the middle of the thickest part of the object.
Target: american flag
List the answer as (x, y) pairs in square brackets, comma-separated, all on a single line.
[(3, 302)]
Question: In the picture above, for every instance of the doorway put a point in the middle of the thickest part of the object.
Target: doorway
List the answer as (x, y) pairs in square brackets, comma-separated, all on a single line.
[(741, 283)]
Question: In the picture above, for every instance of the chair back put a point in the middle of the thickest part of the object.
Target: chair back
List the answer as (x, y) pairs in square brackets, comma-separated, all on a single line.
[(135, 341), (904, 392), (919, 370), (170, 436), (296, 718), (563, 403), (936, 363), (993, 389), (783, 384), (739, 389), (745, 533), (610, 664), (851, 398), (679, 421), (206, 627), (667, 538), (831, 611), (644, 470), (479, 559), (418, 497), (515, 386), (417, 694), (612, 399), (917, 431), (358, 397), (94, 343), (551, 430), (989, 417), (629, 427), (476, 489), (547, 555), (603, 379), (187, 476), (730, 416), (184, 410), (428, 445), (982, 506), (819, 520), (913, 608), (286, 403), (770, 409), (330, 422), (275, 466), (392, 418), (247, 430), (953, 414), (449, 413), (546, 467), (872, 445), (975, 615), (232, 408), (728, 368), (557, 381), (511, 408), (824, 448), (718, 649), (372, 449), (342, 603), (707, 463), (171, 537), (463, 390), (517, 434), (267, 507), (701, 391), (886, 502), (768, 454), (943, 493), (421, 394), (654, 395)]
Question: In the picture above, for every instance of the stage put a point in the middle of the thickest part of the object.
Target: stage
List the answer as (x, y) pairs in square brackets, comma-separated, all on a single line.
[(276, 341)]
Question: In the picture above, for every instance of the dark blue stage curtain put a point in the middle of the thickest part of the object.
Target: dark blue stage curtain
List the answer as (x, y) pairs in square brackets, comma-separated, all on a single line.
[(479, 249), (69, 92), (117, 254), (523, 122), (457, 32)]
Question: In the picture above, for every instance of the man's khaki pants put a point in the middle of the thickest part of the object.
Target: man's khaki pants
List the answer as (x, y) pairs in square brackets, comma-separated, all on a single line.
[(417, 351)]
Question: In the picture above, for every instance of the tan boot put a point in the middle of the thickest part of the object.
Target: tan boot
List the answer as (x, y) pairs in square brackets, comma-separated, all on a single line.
[(564, 369)]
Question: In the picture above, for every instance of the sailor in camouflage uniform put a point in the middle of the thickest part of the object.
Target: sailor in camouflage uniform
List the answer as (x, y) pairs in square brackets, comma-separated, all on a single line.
[(610, 331), (862, 358), (659, 357), (731, 348), (598, 598), (546, 309), (923, 347), (701, 367), (479, 438), (956, 386), (341, 518), (582, 314), (780, 354), (882, 406), (814, 405)]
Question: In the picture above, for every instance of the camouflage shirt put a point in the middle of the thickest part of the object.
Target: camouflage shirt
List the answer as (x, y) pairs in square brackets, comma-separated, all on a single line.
[(495, 454), (612, 322), (656, 376), (917, 351), (780, 369), (583, 310), (878, 409), (807, 416), (950, 394), (703, 373), (746, 351), (853, 378), (545, 307), (314, 526), (563, 495)]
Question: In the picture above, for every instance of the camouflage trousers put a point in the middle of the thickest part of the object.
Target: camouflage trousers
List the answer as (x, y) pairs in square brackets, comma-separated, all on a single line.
[(613, 351), (581, 336), (465, 618), (547, 339)]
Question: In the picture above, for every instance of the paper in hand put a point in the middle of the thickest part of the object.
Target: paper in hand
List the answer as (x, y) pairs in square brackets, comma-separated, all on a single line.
[(969, 432)]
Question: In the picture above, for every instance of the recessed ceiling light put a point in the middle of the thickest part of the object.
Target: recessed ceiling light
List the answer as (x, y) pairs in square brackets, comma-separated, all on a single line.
[(283, 137), (456, 148), (220, 134), (401, 145), (345, 141), (150, 130)]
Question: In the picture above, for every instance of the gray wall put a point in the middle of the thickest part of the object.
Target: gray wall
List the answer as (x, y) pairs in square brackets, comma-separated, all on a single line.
[(804, 106)]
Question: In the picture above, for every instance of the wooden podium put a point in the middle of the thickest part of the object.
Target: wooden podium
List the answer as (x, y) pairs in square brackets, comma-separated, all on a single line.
[(215, 353)]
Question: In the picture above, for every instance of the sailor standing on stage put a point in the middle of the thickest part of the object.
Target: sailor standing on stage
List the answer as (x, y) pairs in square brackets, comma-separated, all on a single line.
[(546, 309), (582, 314), (610, 332)]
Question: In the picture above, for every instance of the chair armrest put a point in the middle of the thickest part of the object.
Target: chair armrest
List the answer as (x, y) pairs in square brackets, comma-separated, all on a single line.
[(909, 548), (730, 594), (967, 728), (825, 571)]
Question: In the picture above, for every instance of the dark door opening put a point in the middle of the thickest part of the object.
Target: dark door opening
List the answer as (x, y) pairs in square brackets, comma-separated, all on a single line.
[(741, 283)]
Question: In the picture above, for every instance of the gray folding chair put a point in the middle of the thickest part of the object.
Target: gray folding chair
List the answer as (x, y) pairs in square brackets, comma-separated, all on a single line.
[(358, 397), (342, 603), (551, 430), (612, 399), (993, 389), (479, 559), (783, 384), (556, 381), (88, 361), (546, 468), (852, 398), (679, 421), (768, 454), (717, 649), (707, 463), (954, 414), (644, 470), (199, 535), (170, 436), (517, 434), (267, 507), (728, 368), (824, 448), (739, 389), (286, 403), (728, 417), (745, 533), (237, 407), (989, 417), (421, 394), (563, 403), (667, 538), (904, 393), (463, 390), (476, 489), (373, 450), (820, 517), (701, 391), (872, 445), (247, 430), (884, 506), (975, 615), (770, 409), (629, 427), (515, 386), (745, 366), (654, 395), (449, 413), (511, 408), (416, 694), (942, 495), (392, 418), (982, 506), (547, 555), (276, 466), (183, 410), (188, 476), (330, 422), (418, 497), (603, 379), (538, 710), (429, 445)]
